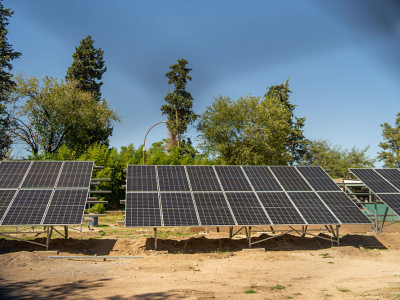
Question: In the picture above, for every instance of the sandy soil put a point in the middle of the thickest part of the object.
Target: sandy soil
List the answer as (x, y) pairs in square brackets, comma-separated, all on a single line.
[(364, 266)]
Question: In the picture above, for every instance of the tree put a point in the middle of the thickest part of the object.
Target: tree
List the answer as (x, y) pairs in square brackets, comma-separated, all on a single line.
[(88, 67), (337, 160), (179, 108), (391, 154), (249, 131), (52, 114), (296, 143), (7, 54)]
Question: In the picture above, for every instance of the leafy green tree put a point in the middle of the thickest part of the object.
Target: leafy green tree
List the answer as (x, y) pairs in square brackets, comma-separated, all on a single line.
[(7, 54), (337, 160), (249, 131), (391, 154), (51, 114), (296, 142), (179, 108), (88, 67)]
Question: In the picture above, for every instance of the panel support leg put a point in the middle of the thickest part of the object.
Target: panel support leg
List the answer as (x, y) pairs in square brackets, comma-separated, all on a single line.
[(49, 231), (230, 232), (337, 234), (272, 229), (304, 230), (248, 235), (376, 214), (66, 232), (155, 238), (384, 219)]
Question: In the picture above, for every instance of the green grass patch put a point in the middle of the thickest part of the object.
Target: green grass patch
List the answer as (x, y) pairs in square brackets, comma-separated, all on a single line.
[(251, 291), (344, 290), (326, 255), (277, 287)]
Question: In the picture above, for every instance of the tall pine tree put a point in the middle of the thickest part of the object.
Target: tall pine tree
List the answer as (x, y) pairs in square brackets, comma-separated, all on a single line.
[(88, 67), (7, 54), (87, 70), (179, 108), (296, 143)]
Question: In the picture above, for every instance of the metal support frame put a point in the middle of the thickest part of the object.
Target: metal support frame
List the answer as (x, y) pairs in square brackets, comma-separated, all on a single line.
[(303, 232), (155, 238)]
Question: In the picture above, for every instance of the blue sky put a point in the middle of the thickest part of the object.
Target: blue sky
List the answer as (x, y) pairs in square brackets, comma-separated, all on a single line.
[(342, 57)]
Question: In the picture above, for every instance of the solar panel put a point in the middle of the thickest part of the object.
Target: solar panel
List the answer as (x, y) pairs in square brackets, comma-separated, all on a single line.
[(178, 209), (318, 179), (5, 198), (261, 178), (290, 179), (232, 178), (203, 178), (42, 174), (213, 209), (141, 178), (374, 181), (66, 207), (280, 209), (28, 208), (12, 173), (76, 174), (142, 210), (172, 178), (247, 209), (392, 201), (344, 208), (312, 208), (391, 175), (239, 196)]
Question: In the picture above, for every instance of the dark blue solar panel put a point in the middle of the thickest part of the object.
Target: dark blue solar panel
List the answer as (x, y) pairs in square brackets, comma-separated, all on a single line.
[(374, 181), (142, 210), (247, 209), (391, 175), (5, 198), (12, 173), (213, 209), (141, 178), (290, 179), (232, 178), (318, 179), (178, 209), (42, 174), (392, 201), (172, 178), (261, 178), (312, 208), (77, 174), (203, 178)]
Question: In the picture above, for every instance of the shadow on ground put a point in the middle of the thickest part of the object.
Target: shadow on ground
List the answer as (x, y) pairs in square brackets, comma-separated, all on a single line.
[(86, 246), (286, 242)]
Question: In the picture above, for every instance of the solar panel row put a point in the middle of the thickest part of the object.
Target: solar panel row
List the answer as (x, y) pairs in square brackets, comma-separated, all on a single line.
[(385, 183), (43, 193), (235, 195)]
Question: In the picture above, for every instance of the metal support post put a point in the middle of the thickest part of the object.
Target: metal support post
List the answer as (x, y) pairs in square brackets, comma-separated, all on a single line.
[(384, 218), (155, 238), (249, 236), (49, 231), (272, 229), (337, 234), (376, 214), (230, 232), (66, 232)]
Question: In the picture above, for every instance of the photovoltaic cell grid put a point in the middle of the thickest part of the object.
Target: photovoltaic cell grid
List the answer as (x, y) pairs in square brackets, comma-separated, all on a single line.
[(236, 195), (385, 183), (43, 193)]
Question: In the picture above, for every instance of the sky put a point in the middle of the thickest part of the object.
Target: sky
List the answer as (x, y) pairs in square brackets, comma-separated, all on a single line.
[(342, 58)]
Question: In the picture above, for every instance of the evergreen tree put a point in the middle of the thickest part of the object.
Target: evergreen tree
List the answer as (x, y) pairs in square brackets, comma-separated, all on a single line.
[(88, 67), (296, 143), (179, 108), (391, 157), (7, 54)]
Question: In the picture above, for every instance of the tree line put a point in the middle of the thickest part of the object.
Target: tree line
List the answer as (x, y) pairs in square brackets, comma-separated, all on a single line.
[(68, 119)]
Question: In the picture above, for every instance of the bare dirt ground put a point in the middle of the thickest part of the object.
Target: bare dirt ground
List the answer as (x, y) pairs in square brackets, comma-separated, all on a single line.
[(212, 266)]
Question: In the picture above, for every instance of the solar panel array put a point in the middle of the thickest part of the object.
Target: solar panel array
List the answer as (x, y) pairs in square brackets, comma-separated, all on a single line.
[(171, 196), (43, 192), (385, 183)]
